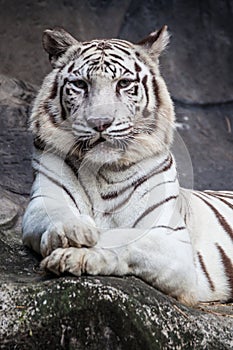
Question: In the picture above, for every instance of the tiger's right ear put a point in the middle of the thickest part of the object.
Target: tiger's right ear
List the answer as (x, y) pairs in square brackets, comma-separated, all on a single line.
[(56, 42)]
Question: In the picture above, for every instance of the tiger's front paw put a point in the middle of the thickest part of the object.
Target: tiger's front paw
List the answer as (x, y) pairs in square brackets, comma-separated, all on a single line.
[(77, 261), (78, 233)]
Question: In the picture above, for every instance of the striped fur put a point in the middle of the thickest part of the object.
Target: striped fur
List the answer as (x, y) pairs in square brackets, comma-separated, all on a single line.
[(106, 197)]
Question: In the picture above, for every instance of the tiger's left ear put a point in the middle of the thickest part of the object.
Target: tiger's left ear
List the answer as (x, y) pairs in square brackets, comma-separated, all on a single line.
[(156, 42)]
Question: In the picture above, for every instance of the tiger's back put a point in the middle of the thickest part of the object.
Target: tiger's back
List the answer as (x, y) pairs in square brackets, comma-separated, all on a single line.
[(210, 222)]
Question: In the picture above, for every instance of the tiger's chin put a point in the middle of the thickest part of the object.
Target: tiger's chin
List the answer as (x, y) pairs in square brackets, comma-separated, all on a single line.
[(103, 152)]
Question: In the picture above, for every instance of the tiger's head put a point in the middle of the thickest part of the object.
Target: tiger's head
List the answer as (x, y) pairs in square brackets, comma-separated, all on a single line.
[(104, 99)]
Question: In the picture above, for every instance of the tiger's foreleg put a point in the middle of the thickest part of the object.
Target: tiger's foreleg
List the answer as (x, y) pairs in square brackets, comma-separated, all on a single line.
[(56, 216), (45, 232), (158, 258)]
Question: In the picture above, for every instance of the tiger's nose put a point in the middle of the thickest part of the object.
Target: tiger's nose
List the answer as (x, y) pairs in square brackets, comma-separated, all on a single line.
[(100, 123)]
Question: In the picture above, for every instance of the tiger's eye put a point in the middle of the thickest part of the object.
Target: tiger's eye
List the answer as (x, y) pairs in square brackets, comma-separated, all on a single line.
[(123, 83), (80, 84)]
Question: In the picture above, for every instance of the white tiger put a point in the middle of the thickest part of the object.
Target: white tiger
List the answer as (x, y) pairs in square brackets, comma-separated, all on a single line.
[(106, 198)]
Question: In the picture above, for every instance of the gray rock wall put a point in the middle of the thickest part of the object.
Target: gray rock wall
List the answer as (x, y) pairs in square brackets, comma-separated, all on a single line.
[(199, 63), (197, 66)]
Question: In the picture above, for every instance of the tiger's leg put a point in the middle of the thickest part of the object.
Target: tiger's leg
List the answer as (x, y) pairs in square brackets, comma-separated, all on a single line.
[(159, 259), (44, 231), (56, 217)]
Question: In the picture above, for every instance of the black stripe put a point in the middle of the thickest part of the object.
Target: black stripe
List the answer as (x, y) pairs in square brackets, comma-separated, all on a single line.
[(135, 92), (123, 50), (156, 91), (152, 208), (56, 182), (204, 269), (219, 217), (146, 112), (63, 111), (218, 194), (96, 61), (51, 115), (170, 228), (126, 70), (110, 66), (87, 58), (121, 130), (88, 43), (39, 144), (60, 185), (115, 194), (228, 267), (87, 48), (71, 164), (220, 199), (144, 82), (37, 126), (154, 172), (116, 168), (53, 93), (119, 205), (138, 182), (87, 194), (137, 67), (71, 67), (110, 195), (38, 196), (161, 183), (116, 56), (121, 44)]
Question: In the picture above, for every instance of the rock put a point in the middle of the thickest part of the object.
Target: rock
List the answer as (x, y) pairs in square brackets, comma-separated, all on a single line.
[(8, 213), (104, 313), (40, 311), (207, 133), (15, 141), (198, 61), (197, 65)]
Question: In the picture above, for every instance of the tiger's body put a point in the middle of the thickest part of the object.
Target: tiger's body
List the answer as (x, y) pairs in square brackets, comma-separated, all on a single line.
[(106, 197)]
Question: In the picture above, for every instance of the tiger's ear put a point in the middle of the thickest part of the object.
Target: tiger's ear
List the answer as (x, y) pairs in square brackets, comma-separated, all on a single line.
[(156, 42), (56, 42)]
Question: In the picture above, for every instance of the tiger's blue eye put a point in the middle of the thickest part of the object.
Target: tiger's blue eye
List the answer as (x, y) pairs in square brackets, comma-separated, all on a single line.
[(123, 83), (80, 84)]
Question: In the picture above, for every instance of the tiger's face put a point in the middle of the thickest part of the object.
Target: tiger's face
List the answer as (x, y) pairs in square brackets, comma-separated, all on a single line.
[(106, 98)]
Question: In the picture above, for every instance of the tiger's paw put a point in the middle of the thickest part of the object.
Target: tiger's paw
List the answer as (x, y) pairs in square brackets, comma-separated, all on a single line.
[(92, 261), (78, 233)]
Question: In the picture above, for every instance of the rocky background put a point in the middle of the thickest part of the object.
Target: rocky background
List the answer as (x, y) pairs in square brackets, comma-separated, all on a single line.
[(40, 312), (197, 66)]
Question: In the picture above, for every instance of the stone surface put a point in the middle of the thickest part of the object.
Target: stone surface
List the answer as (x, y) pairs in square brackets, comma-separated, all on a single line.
[(15, 141), (39, 311), (207, 133), (104, 313), (199, 64)]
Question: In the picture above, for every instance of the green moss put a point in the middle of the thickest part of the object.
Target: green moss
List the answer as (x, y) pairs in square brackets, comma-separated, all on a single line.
[(104, 313)]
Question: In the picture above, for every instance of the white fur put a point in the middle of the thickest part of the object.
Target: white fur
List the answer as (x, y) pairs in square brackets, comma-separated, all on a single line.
[(136, 220)]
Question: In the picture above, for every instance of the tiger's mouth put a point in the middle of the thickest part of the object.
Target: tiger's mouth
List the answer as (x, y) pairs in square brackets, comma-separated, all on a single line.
[(102, 144), (108, 142), (100, 140)]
